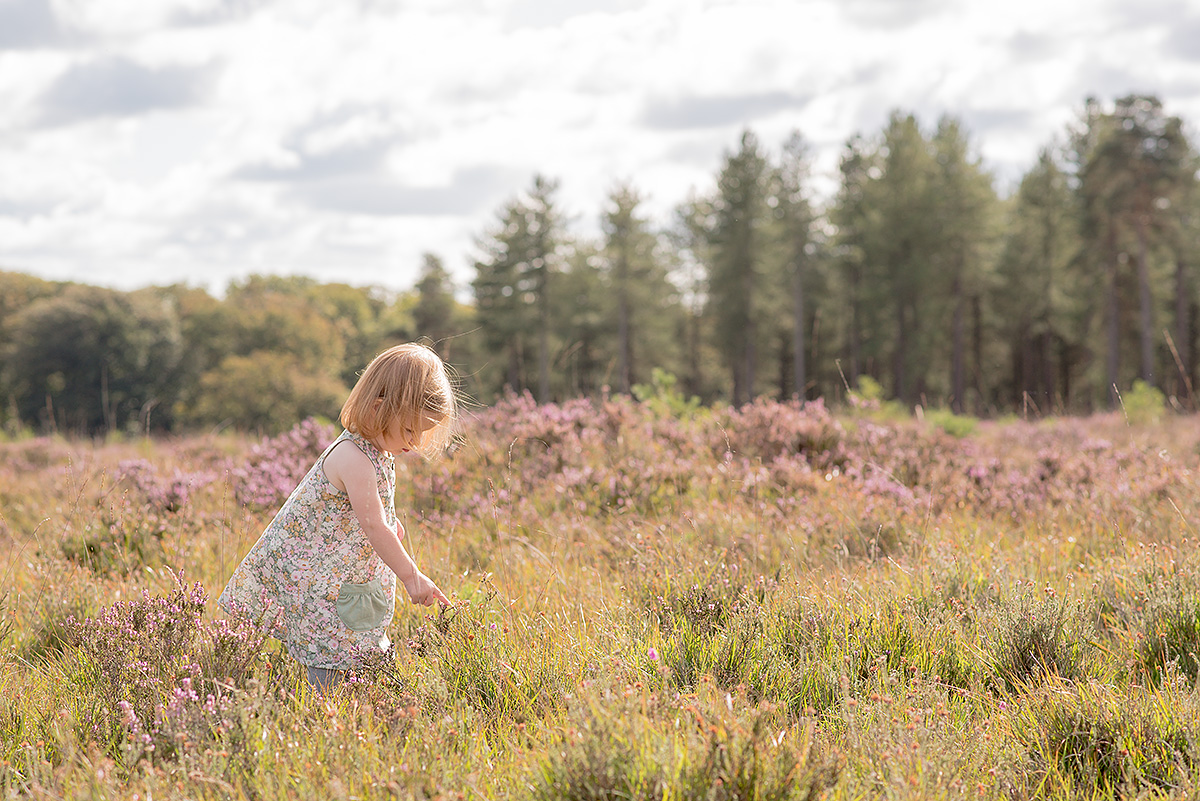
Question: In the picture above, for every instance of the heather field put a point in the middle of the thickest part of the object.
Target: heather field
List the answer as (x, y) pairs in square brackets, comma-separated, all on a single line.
[(656, 602)]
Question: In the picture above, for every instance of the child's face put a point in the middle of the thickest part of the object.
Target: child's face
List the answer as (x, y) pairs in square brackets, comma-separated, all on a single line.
[(399, 437)]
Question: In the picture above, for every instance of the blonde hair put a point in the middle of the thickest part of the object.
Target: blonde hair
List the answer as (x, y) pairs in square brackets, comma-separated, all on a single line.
[(407, 381)]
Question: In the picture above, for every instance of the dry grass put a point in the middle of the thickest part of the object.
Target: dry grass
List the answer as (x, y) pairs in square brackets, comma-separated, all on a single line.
[(760, 605)]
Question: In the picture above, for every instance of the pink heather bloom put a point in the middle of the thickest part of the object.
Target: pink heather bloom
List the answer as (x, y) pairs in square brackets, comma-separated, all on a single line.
[(652, 653)]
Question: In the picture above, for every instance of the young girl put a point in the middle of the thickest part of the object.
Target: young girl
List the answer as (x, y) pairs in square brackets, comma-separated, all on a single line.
[(322, 577)]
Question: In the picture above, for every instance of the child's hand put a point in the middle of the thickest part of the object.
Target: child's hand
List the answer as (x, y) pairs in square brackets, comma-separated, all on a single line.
[(423, 592)]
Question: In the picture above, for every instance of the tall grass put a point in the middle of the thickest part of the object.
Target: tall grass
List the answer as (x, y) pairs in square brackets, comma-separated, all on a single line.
[(655, 601)]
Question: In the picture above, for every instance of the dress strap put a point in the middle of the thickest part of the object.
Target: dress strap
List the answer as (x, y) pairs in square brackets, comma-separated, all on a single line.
[(377, 457), (343, 436)]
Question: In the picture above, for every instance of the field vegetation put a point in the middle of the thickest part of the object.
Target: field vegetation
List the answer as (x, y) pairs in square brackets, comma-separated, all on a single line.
[(657, 601)]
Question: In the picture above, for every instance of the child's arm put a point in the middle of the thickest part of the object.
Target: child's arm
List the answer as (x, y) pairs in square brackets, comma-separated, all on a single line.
[(351, 471)]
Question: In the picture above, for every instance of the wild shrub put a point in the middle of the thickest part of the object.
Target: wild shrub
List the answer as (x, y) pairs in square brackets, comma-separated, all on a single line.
[(132, 652), (867, 399), (733, 654), (510, 674), (389, 691), (1098, 742), (162, 493), (1032, 639), (888, 639), (39, 453), (956, 425), (1171, 635), (709, 624), (48, 635), (152, 672), (1158, 610), (803, 633), (770, 430), (611, 455), (702, 603), (274, 466), (1143, 403), (957, 592), (663, 398), (709, 757), (811, 646), (123, 538)]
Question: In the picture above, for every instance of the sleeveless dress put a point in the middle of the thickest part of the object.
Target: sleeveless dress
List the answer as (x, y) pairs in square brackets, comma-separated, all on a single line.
[(313, 580)]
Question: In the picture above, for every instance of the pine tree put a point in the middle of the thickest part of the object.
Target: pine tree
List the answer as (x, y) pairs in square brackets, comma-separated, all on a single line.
[(1038, 297), (637, 277), (512, 284), (964, 209), (691, 240), (901, 234), (794, 217), (736, 283), (435, 312), (850, 245), (1131, 167), (580, 321)]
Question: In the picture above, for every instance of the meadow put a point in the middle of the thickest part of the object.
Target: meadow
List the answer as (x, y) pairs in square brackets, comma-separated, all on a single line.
[(656, 601)]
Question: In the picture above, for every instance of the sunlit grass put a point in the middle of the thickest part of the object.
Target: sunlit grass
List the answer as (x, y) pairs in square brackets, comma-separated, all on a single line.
[(771, 604)]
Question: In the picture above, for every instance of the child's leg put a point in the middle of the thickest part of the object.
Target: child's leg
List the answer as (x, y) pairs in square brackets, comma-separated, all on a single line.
[(323, 679)]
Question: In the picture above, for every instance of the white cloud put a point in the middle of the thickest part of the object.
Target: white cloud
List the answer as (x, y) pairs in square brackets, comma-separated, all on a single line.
[(205, 139)]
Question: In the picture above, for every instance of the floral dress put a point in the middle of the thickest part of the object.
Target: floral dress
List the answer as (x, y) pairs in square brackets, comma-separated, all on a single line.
[(313, 579)]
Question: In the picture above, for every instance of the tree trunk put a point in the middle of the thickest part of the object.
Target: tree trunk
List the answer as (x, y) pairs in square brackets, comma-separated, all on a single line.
[(751, 351), (544, 356), (855, 330), (1182, 336), (1190, 359), (1020, 358), (1025, 359), (785, 365), (691, 333), (799, 379), (1047, 382), (105, 407), (899, 377), (1113, 357), (751, 355), (958, 381), (977, 351), (624, 349), (1145, 303), (514, 365)]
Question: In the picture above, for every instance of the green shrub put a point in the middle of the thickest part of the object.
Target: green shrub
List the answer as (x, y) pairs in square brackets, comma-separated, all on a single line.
[(956, 425), (662, 397), (1172, 635), (1143, 404), (510, 676), (706, 758), (49, 634), (119, 541), (868, 397), (1034, 639), (1102, 744), (891, 639)]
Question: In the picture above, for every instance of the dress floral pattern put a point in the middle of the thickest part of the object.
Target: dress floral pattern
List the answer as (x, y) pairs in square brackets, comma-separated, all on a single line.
[(290, 579)]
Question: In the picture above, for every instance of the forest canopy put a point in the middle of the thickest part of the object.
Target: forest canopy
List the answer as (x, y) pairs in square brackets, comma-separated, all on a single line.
[(916, 279)]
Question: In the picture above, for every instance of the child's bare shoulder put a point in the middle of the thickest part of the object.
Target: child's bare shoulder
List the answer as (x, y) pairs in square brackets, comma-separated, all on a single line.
[(346, 463)]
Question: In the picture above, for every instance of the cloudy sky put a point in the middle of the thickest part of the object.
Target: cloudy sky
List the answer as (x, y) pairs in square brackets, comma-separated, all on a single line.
[(149, 142)]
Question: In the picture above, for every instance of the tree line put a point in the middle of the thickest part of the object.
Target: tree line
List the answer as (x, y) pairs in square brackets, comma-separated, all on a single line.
[(915, 276)]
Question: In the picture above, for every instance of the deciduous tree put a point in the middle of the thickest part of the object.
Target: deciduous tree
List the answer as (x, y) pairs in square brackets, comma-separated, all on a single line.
[(91, 360)]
